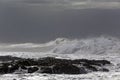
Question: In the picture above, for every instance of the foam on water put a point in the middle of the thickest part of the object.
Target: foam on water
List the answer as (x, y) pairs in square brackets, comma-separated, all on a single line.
[(103, 47), (90, 76), (98, 45), (62, 47)]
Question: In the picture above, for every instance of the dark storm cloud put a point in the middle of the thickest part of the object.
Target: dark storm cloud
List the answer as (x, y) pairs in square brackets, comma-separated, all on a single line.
[(22, 23)]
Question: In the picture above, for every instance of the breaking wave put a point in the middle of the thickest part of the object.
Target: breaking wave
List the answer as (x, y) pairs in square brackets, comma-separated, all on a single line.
[(96, 45), (103, 47), (63, 47)]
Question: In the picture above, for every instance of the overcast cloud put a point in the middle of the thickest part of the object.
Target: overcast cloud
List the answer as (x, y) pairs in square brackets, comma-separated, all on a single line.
[(75, 4), (44, 20)]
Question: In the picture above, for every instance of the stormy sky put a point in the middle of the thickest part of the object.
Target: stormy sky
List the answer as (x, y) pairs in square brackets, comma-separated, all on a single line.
[(44, 20)]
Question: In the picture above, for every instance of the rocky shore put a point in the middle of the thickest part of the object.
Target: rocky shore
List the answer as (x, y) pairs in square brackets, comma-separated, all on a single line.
[(51, 65)]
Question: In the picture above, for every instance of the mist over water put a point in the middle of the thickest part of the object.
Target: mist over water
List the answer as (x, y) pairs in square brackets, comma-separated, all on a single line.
[(91, 45), (69, 29)]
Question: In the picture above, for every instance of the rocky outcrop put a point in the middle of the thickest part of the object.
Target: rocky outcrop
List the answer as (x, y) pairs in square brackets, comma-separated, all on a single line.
[(52, 65), (66, 69)]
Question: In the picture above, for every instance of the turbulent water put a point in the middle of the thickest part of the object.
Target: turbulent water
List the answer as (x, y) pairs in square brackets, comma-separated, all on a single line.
[(103, 47)]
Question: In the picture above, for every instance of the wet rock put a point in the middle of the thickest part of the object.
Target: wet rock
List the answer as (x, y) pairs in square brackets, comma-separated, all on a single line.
[(53, 65), (91, 62), (9, 58), (12, 68), (90, 67), (47, 61), (83, 70), (27, 62), (66, 69), (32, 69), (23, 67), (4, 68), (104, 70), (46, 70), (103, 62)]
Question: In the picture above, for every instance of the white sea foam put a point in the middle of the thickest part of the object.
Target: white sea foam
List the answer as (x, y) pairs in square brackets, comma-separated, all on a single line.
[(90, 76), (69, 48), (103, 47), (98, 45)]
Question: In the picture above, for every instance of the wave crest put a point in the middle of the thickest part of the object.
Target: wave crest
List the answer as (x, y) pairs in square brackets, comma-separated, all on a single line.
[(96, 45)]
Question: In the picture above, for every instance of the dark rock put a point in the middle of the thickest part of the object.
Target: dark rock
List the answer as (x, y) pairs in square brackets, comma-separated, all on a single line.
[(13, 68), (82, 70), (104, 70), (32, 69), (47, 61), (103, 62), (91, 62), (9, 58), (46, 70), (23, 67), (53, 65), (8, 68), (4, 68), (66, 69), (27, 62), (90, 67)]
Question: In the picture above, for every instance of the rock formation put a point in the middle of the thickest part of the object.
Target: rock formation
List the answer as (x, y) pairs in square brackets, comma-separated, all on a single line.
[(53, 65)]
